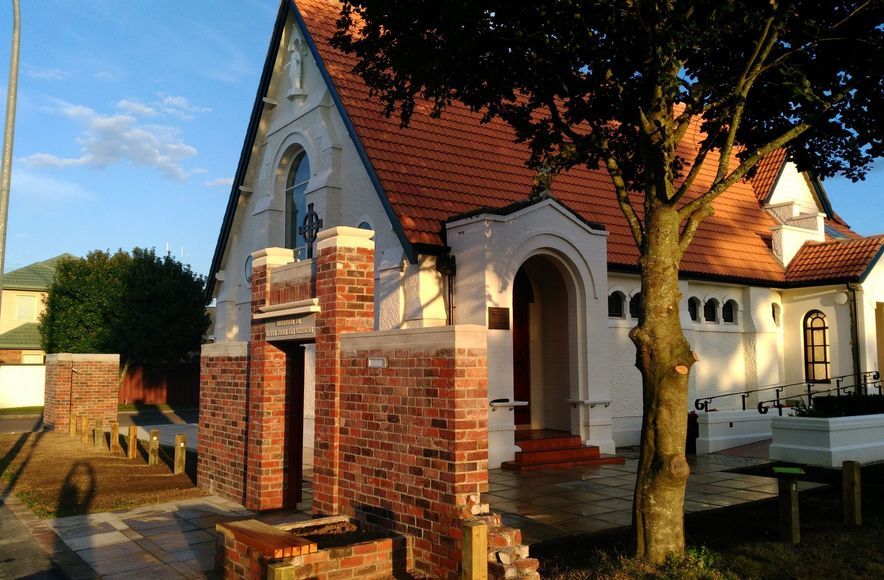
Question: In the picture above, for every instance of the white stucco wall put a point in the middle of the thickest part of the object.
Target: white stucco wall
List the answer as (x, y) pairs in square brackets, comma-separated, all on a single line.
[(792, 187), (732, 356), (870, 316)]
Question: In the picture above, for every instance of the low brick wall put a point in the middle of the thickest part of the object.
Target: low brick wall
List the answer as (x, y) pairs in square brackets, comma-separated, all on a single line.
[(222, 420), (239, 555), (80, 384), (413, 435)]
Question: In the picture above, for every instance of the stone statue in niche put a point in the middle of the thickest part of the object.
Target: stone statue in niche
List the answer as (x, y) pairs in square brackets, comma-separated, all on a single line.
[(295, 65)]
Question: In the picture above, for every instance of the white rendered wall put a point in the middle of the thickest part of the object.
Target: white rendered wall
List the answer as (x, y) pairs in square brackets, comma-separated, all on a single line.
[(22, 385), (732, 356), (870, 315), (792, 187), (796, 304)]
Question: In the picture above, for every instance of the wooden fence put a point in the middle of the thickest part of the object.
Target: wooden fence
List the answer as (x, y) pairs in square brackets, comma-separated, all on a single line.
[(173, 384)]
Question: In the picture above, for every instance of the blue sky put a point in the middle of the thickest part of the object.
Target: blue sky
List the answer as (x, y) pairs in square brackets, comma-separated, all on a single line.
[(131, 117)]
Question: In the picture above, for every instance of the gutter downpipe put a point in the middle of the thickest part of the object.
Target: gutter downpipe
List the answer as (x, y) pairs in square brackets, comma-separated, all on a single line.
[(854, 336)]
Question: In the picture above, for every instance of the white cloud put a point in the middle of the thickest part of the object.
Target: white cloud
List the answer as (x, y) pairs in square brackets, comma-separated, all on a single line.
[(111, 139), (35, 186), (49, 74), (220, 182), (136, 108), (104, 75), (180, 107)]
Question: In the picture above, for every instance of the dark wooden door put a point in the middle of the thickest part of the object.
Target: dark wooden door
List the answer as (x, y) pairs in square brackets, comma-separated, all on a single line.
[(522, 299), (294, 427)]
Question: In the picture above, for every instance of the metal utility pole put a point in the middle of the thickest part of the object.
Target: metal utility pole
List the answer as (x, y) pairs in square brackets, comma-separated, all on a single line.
[(8, 134)]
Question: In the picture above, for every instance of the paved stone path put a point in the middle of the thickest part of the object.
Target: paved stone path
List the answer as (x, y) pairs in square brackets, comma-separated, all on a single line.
[(168, 433), (177, 540)]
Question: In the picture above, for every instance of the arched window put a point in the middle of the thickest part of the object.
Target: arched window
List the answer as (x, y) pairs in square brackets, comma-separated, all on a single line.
[(775, 312), (616, 300), (296, 201), (710, 310), (816, 347), (636, 305), (729, 312), (694, 308)]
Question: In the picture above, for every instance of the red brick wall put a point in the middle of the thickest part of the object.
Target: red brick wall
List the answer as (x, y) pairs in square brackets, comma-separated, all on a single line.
[(222, 448), (413, 435), (80, 384), (370, 560), (345, 290)]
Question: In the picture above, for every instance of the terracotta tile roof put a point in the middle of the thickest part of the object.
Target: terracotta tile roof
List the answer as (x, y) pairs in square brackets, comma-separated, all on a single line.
[(836, 261), (766, 173), (436, 168)]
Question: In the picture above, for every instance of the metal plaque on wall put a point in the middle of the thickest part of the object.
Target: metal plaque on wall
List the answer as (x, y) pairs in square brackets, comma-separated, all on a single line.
[(498, 318), (297, 328)]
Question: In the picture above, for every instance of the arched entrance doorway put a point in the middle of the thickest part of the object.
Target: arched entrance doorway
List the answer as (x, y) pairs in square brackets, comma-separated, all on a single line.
[(544, 345)]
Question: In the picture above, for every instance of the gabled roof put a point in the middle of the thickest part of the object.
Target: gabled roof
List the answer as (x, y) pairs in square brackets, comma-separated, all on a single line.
[(838, 261), (767, 173), (438, 168), (36, 276), (24, 337)]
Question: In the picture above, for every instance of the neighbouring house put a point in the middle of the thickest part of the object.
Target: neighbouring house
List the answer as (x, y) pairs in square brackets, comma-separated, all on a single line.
[(441, 315), (24, 296)]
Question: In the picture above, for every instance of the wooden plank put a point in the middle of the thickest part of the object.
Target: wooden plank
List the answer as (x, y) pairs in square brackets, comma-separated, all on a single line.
[(852, 493), (474, 557), (180, 453), (153, 449), (132, 451), (115, 437), (266, 539)]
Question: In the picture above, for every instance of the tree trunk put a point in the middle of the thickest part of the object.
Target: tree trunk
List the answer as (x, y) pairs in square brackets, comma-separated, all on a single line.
[(664, 358)]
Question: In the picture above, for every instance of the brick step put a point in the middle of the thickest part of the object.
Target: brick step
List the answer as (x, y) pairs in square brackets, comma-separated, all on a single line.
[(566, 464), (560, 454), (564, 442)]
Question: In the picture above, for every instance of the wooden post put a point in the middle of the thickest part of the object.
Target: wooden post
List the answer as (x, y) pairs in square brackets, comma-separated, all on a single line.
[(72, 425), (787, 484), (180, 453), (133, 442), (115, 437), (852, 493), (84, 429), (99, 433), (474, 558), (153, 450)]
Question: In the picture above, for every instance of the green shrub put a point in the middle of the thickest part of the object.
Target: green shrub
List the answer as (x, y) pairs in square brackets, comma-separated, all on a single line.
[(844, 406)]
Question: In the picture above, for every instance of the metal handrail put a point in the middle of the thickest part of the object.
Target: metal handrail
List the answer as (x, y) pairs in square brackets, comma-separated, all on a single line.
[(868, 378)]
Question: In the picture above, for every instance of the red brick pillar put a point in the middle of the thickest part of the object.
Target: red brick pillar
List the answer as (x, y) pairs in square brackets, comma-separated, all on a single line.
[(80, 384), (266, 396), (345, 289), (222, 441)]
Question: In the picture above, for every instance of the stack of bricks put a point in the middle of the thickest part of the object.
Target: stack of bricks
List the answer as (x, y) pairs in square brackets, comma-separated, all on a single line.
[(222, 419), (345, 290), (80, 384), (507, 556), (413, 435)]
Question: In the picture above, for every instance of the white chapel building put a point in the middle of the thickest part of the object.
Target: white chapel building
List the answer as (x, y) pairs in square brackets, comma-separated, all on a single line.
[(777, 289)]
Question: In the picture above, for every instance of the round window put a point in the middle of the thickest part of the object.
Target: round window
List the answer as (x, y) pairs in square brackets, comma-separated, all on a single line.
[(248, 270)]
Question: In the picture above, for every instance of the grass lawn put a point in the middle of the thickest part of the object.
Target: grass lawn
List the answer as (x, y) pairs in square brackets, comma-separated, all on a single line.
[(22, 411), (742, 541), (55, 475)]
